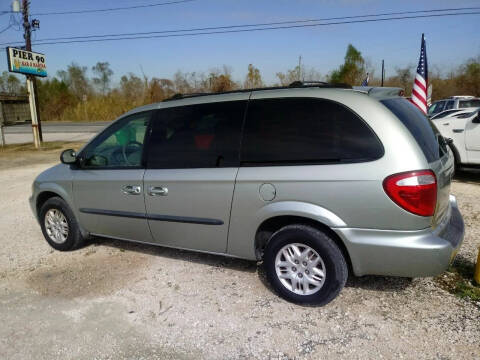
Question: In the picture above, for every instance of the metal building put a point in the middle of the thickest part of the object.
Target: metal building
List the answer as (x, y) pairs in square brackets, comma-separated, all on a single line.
[(14, 109)]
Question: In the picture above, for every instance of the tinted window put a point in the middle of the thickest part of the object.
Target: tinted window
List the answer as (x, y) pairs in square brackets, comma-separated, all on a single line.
[(422, 129), (436, 107), (449, 105), (469, 103), (293, 130), (120, 145), (197, 136), (444, 114)]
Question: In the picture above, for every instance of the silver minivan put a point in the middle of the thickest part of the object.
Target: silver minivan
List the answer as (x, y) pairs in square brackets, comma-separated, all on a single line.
[(316, 181)]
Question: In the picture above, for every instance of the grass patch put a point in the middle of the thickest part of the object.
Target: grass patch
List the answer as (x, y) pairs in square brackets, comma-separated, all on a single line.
[(458, 280), (46, 146), (17, 155)]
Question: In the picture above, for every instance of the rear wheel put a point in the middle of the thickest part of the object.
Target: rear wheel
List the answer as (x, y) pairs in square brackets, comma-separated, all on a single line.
[(455, 160), (304, 265), (59, 226)]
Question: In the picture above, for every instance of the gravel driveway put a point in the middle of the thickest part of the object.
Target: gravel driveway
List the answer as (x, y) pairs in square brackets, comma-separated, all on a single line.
[(114, 300)]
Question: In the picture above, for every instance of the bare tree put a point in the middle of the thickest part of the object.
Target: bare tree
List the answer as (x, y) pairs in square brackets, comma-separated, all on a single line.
[(104, 75), (253, 78)]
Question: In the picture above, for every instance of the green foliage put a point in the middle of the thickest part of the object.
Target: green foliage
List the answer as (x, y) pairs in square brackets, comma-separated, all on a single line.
[(469, 77), (54, 97), (352, 70), (458, 280), (76, 79)]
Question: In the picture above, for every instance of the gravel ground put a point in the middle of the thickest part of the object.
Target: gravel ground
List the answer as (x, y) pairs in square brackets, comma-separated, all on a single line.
[(114, 300)]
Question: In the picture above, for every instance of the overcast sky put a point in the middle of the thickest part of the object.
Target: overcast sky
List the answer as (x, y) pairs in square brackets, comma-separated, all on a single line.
[(450, 41)]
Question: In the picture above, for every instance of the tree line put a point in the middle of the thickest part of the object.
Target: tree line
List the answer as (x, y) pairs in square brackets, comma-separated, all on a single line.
[(78, 94)]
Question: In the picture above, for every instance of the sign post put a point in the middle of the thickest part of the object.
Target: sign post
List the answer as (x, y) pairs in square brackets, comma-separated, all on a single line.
[(33, 112), (30, 64), (2, 121)]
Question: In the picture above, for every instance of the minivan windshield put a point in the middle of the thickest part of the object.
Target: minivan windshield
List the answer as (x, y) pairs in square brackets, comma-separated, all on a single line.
[(422, 129)]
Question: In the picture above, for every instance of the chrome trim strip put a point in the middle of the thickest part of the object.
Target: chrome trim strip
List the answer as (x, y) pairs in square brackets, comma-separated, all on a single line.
[(136, 215)]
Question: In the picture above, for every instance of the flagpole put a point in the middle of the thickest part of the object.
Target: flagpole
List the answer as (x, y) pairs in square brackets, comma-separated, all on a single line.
[(383, 70)]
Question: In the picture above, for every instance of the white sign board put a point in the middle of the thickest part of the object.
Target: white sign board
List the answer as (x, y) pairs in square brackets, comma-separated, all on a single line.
[(26, 62)]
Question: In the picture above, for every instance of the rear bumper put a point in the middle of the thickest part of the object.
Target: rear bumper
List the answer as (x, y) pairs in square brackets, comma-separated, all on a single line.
[(405, 253)]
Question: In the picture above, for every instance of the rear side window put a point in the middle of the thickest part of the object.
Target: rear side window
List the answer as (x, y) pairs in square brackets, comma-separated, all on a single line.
[(196, 136), (305, 130), (469, 103), (421, 128)]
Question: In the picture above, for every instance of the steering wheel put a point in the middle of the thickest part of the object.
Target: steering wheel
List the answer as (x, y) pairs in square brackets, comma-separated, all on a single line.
[(131, 144)]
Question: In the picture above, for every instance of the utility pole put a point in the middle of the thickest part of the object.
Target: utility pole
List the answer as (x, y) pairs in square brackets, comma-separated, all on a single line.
[(383, 71), (31, 80), (300, 68)]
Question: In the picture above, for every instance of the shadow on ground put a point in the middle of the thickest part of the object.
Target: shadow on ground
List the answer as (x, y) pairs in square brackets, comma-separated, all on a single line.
[(470, 176), (181, 255), (375, 283)]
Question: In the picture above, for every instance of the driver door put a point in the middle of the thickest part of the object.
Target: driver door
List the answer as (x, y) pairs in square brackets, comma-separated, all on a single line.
[(472, 140), (108, 183)]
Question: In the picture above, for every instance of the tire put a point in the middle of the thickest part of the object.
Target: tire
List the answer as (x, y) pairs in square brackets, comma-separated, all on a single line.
[(456, 167), (64, 234), (299, 283)]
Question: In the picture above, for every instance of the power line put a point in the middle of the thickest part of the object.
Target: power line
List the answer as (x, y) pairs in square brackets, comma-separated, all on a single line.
[(8, 27), (112, 9), (259, 29), (123, 35)]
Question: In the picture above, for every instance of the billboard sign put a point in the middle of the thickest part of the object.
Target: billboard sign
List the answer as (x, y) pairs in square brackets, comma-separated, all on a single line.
[(26, 62)]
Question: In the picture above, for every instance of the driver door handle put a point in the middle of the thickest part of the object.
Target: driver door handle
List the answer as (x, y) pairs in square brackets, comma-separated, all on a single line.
[(132, 189), (157, 191)]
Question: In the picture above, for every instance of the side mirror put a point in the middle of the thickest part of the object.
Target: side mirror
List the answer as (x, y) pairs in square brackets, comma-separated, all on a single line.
[(68, 156), (476, 119)]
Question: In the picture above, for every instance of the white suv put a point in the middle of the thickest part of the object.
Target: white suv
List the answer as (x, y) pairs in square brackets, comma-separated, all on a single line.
[(453, 102), (463, 128)]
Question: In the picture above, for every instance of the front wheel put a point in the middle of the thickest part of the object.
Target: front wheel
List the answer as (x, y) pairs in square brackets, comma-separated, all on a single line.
[(59, 225), (304, 265)]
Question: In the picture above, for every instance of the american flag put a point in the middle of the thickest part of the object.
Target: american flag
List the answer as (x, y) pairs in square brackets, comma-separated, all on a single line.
[(365, 82), (420, 85)]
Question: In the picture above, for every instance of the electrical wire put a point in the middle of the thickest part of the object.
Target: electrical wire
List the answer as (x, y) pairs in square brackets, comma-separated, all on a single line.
[(123, 35), (258, 29), (111, 9), (8, 27)]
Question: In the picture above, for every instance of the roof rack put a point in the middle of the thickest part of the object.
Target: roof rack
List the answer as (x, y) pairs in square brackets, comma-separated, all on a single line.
[(295, 84)]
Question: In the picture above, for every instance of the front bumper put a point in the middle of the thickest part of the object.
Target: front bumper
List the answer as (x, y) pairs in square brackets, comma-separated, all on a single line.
[(405, 253)]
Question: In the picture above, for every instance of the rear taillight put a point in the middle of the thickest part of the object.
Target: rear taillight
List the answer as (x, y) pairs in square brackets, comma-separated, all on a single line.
[(414, 191)]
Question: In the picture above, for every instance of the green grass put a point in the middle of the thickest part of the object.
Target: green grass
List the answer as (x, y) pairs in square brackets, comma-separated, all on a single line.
[(458, 280)]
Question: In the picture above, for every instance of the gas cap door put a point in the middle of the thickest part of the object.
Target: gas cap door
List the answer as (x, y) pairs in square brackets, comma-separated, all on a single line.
[(267, 192)]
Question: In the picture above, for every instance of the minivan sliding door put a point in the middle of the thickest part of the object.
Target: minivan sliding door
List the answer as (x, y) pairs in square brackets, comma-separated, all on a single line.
[(192, 163)]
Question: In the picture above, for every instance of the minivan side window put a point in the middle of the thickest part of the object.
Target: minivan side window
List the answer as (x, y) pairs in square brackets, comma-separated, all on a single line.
[(305, 130), (120, 145), (197, 136)]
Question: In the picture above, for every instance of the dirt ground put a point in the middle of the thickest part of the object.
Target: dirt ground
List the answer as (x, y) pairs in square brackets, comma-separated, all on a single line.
[(116, 300)]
